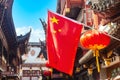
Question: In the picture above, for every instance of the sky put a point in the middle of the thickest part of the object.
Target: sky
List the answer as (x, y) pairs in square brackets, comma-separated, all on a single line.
[(26, 14)]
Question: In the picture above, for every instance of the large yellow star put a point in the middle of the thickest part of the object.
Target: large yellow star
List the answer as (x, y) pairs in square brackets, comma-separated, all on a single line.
[(54, 20)]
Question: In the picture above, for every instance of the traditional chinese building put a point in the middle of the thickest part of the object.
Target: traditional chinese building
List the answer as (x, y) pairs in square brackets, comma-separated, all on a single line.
[(34, 69), (108, 16), (10, 54)]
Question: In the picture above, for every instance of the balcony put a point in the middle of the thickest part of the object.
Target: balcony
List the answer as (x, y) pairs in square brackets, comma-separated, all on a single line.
[(113, 61)]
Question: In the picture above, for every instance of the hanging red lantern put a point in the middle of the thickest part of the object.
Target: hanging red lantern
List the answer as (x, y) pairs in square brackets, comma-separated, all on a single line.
[(47, 73), (95, 40)]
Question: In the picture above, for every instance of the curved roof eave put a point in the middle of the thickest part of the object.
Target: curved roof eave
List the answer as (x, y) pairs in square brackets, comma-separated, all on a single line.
[(8, 24), (22, 39)]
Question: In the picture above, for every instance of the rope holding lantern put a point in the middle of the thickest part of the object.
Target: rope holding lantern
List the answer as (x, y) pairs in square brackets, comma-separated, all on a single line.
[(95, 40), (96, 54)]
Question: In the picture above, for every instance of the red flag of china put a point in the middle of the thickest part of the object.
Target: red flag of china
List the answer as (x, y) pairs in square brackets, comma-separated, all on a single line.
[(62, 40)]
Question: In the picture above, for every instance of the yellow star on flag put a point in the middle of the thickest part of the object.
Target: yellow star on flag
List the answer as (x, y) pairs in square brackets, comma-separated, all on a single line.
[(54, 20)]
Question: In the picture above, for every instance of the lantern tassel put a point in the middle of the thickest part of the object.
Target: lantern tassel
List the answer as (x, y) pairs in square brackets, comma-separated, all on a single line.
[(96, 54)]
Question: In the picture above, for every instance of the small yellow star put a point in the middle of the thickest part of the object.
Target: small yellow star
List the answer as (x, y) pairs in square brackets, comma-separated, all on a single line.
[(59, 30), (54, 31), (54, 20)]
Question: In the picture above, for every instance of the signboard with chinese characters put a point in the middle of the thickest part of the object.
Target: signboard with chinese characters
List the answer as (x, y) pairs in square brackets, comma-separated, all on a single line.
[(32, 73), (88, 16)]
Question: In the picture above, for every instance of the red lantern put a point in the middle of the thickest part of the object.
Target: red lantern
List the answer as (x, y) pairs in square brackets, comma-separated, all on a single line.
[(95, 40), (47, 73)]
